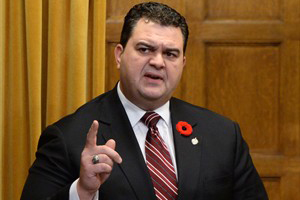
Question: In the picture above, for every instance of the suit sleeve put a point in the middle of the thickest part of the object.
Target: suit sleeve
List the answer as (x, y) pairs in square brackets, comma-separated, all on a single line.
[(247, 183), (51, 175)]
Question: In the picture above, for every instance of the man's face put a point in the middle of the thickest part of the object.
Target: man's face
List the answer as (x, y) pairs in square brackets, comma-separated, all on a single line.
[(151, 64)]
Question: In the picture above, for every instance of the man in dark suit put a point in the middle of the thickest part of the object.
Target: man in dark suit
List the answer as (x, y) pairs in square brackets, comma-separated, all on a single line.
[(115, 147)]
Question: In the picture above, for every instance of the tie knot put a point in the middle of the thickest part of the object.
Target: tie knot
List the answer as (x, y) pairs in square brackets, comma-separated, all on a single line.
[(150, 119)]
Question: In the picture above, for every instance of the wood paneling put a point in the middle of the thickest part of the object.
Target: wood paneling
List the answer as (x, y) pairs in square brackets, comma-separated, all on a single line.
[(273, 187), (243, 10), (242, 81), (243, 61)]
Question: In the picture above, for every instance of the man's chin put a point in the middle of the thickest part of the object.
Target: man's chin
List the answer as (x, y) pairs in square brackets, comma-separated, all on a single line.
[(155, 97), (153, 100), (153, 94)]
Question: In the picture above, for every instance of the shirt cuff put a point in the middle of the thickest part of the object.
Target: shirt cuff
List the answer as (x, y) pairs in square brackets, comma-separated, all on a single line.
[(73, 194)]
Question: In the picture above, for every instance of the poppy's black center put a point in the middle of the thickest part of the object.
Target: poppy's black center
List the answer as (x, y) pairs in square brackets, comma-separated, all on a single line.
[(184, 128)]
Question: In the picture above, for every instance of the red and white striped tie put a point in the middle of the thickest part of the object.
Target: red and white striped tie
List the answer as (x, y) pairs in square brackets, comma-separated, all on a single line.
[(158, 159)]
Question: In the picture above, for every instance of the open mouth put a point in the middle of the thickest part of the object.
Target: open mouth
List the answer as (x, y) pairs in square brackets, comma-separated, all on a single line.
[(153, 76)]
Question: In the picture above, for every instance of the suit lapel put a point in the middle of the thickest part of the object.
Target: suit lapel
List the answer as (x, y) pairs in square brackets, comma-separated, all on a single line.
[(114, 118), (187, 154), (114, 124)]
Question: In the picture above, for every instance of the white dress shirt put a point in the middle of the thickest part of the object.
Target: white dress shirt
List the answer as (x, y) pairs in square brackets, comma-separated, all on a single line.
[(140, 130)]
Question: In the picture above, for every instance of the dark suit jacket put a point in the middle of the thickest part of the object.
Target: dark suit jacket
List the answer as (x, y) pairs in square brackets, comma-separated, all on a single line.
[(218, 167)]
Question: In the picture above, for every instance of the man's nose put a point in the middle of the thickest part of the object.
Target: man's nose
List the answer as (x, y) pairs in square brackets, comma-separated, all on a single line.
[(157, 60)]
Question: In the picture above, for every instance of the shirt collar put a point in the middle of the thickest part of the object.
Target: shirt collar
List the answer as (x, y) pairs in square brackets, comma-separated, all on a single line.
[(135, 113)]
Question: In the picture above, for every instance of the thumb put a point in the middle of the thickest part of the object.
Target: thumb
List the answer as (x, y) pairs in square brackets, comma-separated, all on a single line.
[(111, 144)]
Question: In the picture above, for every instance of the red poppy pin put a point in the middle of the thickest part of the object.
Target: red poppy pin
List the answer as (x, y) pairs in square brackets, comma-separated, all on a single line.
[(184, 128)]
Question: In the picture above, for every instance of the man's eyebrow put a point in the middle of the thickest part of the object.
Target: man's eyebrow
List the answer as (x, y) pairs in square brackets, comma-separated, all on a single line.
[(153, 47), (144, 44)]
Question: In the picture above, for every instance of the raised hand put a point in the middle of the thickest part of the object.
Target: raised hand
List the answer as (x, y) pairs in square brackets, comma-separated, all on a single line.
[(92, 176)]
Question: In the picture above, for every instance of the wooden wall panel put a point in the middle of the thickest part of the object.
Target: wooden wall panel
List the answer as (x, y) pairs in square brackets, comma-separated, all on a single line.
[(244, 10), (290, 99), (242, 81), (273, 187)]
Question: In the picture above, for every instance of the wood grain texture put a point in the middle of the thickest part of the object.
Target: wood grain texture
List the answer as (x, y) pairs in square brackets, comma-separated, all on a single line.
[(243, 10), (243, 82), (272, 185)]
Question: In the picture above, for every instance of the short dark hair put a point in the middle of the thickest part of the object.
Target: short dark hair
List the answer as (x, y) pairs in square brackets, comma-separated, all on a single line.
[(156, 12)]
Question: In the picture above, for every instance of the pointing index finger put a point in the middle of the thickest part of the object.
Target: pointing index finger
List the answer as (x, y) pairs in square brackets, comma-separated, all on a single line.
[(91, 138)]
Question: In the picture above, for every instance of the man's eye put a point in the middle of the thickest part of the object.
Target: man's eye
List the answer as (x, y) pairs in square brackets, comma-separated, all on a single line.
[(170, 54), (144, 50)]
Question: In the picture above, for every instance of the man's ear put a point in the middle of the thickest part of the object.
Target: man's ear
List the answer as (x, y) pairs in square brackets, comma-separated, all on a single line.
[(118, 54), (184, 61)]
